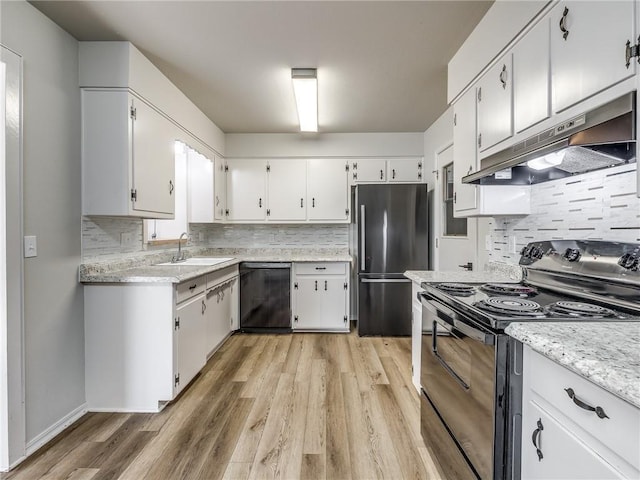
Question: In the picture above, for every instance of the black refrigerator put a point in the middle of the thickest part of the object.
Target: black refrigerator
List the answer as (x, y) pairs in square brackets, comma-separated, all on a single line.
[(389, 237)]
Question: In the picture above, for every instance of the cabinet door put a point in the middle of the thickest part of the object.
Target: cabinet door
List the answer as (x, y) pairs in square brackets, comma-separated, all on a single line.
[(153, 168), (327, 190), (405, 170), (369, 170), (335, 313), (494, 104), (219, 189), (217, 317), (234, 298), (563, 455), (201, 202), (588, 48), (246, 190), (464, 151), (189, 341), (307, 303), (531, 78), (287, 188)]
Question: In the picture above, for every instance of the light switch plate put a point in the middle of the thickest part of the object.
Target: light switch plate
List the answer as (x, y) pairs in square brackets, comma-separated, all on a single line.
[(512, 244), (488, 244), (30, 246)]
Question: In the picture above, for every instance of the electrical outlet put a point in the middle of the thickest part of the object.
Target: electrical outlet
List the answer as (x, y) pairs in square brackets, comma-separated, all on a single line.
[(127, 239), (488, 244), (512, 244)]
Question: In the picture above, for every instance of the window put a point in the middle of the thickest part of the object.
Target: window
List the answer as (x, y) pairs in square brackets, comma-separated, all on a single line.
[(452, 226)]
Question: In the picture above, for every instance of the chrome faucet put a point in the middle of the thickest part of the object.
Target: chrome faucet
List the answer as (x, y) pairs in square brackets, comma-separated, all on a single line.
[(180, 257)]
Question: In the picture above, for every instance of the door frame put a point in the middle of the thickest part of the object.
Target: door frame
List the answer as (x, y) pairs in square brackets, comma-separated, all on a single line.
[(12, 361)]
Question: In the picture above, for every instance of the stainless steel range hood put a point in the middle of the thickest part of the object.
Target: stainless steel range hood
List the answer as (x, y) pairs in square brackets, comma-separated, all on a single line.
[(601, 138)]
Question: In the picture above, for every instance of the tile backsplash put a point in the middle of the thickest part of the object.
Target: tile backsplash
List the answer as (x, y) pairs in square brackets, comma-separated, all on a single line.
[(600, 205), (105, 237)]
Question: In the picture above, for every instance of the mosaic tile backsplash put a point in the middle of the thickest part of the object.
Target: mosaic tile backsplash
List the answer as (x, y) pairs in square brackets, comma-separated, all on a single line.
[(600, 205)]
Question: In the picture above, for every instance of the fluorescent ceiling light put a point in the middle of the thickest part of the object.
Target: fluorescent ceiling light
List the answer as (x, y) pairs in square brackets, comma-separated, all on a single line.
[(547, 161), (305, 88)]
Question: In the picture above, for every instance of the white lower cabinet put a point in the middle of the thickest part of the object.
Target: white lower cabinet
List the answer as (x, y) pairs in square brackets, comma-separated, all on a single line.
[(320, 296), (188, 341), (221, 308), (144, 343), (416, 333), (563, 437)]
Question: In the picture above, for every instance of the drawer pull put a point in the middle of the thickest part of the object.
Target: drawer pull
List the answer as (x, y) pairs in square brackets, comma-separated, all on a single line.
[(598, 410), (321, 268), (192, 287), (535, 437)]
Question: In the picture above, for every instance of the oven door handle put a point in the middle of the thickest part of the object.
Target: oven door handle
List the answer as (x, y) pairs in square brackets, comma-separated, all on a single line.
[(452, 322)]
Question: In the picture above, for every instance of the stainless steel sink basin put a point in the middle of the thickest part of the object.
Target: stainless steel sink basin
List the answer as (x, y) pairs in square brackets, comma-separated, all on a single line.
[(205, 261)]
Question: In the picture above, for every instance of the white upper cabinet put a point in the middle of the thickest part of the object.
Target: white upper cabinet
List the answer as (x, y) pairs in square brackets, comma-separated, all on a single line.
[(531, 79), (404, 170), (494, 93), (247, 190), (588, 41), (287, 189), (127, 156), (464, 151), (219, 189), (369, 170), (201, 188), (327, 189)]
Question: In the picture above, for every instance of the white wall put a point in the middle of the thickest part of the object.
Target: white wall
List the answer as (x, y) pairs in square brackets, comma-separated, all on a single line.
[(437, 137), (324, 145), (54, 327)]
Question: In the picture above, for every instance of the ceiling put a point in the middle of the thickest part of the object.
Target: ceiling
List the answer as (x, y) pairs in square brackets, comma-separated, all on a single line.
[(382, 65)]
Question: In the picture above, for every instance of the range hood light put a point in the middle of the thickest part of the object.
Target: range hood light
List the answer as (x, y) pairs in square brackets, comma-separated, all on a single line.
[(547, 161)]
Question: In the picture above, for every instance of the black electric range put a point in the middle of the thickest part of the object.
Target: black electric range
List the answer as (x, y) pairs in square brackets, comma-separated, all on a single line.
[(471, 375), (562, 281)]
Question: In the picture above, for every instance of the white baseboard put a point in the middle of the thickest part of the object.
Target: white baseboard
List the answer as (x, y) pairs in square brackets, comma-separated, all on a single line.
[(55, 429)]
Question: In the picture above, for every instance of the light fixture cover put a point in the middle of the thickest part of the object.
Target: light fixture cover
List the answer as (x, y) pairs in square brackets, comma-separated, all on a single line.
[(547, 161), (305, 89)]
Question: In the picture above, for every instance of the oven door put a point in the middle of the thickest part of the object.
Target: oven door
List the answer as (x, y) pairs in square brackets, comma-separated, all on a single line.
[(458, 370)]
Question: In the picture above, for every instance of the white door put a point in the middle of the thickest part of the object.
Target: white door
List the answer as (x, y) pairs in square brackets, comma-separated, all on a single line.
[(189, 341), (327, 189), (247, 190), (531, 95), (335, 313), (494, 104), (369, 170), (465, 197), (307, 308), (220, 188), (455, 237), (588, 41), (405, 170), (153, 167), (201, 202), (287, 189)]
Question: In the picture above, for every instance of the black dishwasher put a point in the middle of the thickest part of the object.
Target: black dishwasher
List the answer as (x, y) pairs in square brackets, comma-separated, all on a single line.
[(265, 297)]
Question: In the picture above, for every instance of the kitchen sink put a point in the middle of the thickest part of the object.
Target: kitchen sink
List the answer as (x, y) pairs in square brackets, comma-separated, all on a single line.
[(207, 261)]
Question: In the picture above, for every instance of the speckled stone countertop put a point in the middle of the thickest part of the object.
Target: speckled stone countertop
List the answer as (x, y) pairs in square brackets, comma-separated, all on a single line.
[(606, 353), (144, 268), (507, 274)]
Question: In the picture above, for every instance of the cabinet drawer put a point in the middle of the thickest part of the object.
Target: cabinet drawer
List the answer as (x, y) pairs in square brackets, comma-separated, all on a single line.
[(188, 289), (619, 432), (321, 268)]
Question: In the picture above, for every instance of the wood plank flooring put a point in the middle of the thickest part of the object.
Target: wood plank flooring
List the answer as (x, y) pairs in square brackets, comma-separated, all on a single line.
[(297, 406)]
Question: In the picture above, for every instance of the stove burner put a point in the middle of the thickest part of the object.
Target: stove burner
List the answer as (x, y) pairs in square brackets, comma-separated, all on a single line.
[(457, 289), (511, 306), (509, 289), (579, 310)]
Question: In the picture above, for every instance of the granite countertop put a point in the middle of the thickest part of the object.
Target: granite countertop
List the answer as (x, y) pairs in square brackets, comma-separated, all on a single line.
[(144, 269), (508, 274), (606, 353)]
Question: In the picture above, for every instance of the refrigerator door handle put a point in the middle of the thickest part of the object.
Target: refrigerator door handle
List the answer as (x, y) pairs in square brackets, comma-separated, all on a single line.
[(385, 280), (362, 230)]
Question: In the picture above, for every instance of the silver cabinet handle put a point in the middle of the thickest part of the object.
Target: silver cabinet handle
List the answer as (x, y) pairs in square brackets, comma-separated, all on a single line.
[(362, 243), (536, 436), (503, 76), (599, 411), (260, 202), (171, 187), (381, 174)]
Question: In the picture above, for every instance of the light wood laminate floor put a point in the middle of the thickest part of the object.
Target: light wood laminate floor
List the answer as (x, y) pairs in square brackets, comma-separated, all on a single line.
[(325, 406)]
